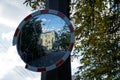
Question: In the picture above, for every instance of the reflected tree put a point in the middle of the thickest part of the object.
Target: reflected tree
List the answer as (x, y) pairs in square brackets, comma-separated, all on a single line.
[(64, 38), (64, 41), (29, 41)]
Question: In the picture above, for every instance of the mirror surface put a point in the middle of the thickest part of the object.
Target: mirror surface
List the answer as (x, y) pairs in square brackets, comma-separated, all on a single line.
[(43, 40)]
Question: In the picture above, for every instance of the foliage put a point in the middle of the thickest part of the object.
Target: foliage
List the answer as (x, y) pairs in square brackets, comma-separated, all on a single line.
[(35, 4), (28, 41), (98, 37), (98, 32), (64, 40)]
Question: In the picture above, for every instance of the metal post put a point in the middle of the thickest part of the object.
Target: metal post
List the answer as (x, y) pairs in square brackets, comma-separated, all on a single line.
[(64, 71)]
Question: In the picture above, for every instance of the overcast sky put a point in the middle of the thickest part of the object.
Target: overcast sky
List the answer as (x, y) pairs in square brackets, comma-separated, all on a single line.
[(12, 12)]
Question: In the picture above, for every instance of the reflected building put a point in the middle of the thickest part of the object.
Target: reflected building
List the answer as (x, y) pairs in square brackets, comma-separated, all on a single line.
[(48, 39)]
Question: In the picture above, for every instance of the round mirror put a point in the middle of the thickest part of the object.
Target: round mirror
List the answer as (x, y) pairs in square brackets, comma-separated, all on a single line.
[(44, 40)]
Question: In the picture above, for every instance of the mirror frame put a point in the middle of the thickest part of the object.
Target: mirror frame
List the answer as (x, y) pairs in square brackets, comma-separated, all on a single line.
[(72, 38)]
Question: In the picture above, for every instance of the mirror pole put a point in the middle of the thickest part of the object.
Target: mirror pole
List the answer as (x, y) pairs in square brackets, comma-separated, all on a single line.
[(64, 71)]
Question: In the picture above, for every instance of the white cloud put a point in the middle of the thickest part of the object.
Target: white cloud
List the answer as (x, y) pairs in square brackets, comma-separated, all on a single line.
[(44, 19), (8, 22), (7, 36), (37, 78), (19, 73), (1, 9), (9, 60), (75, 63), (12, 12)]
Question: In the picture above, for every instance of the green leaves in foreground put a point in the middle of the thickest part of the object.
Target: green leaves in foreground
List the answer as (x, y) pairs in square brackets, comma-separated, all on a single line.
[(98, 38)]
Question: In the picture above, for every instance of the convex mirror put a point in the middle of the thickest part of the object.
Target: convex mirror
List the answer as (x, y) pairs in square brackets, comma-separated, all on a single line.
[(44, 40)]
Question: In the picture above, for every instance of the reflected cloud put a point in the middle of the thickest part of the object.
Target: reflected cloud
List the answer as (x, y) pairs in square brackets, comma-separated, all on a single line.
[(44, 19)]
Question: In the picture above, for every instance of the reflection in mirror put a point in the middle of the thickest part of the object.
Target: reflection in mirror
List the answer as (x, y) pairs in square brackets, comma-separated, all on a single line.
[(43, 40)]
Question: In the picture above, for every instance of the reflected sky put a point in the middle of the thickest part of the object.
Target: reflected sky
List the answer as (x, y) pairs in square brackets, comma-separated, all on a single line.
[(50, 22)]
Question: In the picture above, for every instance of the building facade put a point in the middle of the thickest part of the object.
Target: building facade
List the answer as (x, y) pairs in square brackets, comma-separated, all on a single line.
[(48, 39)]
